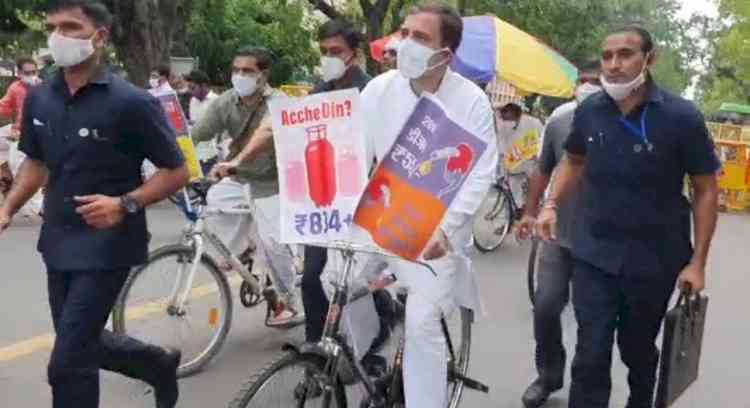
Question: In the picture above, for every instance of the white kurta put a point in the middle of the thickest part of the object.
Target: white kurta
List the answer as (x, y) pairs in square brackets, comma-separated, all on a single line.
[(387, 102)]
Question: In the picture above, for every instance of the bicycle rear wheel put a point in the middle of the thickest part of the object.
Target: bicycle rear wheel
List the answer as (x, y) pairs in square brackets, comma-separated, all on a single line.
[(144, 309), (493, 220), (292, 380), (533, 269)]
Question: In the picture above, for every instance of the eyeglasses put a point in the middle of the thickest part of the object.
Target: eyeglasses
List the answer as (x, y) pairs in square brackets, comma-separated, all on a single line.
[(28, 73)]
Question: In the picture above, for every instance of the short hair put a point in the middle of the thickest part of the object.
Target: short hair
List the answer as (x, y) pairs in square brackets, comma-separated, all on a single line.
[(451, 25), (263, 57), (21, 61), (95, 10), (647, 41), (343, 28), (164, 70), (197, 77)]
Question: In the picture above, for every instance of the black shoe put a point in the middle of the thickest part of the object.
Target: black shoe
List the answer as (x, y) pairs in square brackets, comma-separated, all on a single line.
[(166, 389), (537, 394)]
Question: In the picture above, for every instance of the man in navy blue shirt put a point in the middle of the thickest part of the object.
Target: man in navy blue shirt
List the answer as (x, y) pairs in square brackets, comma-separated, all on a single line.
[(631, 147), (88, 132)]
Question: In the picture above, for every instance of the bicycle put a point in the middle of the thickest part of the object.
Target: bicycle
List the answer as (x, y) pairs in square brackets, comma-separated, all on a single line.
[(320, 370), (143, 310), (497, 214)]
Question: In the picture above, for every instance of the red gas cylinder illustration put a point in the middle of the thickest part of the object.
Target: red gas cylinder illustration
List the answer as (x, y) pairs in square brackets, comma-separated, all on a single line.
[(320, 163), (348, 170)]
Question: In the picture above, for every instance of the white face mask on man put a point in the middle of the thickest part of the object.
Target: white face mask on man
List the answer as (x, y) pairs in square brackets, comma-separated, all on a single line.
[(69, 52), (619, 92), (245, 85), (332, 68), (414, 59)]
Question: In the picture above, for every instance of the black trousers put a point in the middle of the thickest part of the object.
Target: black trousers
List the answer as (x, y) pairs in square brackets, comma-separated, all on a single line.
[(551, 297), (80, 302), (314, 298), (631, 304)]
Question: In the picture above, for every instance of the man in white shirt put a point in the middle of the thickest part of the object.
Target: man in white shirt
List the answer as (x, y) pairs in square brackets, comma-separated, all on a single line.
[(518, 140), (430, 36), (202, 96), (159, 80)]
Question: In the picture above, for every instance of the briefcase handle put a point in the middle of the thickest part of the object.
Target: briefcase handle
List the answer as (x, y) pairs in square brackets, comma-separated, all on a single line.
[(690, 305)]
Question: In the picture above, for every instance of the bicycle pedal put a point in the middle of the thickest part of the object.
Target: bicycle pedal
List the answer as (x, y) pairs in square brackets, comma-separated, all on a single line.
[(468, 382)]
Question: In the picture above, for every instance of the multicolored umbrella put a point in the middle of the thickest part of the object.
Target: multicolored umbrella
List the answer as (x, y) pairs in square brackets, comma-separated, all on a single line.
[(493, 48)]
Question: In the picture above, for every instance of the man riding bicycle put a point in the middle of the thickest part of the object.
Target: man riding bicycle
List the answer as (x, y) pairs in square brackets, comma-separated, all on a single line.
[(430, 36), (518, 139), (242, 113)]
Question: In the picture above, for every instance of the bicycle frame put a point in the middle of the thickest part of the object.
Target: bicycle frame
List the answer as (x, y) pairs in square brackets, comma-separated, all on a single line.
[(195, 235), (329, 342)]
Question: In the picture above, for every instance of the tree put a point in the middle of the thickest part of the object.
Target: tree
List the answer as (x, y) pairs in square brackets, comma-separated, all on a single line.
[(142, 34), (218, 28), (726, 76)]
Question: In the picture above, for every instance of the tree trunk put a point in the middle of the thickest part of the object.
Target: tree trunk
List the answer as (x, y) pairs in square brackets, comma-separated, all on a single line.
[(143, 34)]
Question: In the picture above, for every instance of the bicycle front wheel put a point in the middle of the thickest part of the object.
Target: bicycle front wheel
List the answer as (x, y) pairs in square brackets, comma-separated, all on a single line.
[(147, 307), (493, 220), (292, 380)]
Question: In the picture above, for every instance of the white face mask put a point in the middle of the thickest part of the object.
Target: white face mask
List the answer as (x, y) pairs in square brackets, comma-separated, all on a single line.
[(413, 59), (245, 85), (332, 68), (30, 80), (69, 52), (586, 90), (154, 83), (619, 92)]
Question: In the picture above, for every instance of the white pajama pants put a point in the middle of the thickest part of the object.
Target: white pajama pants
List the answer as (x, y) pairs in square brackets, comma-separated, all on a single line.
[(236, 231), (425, 350)]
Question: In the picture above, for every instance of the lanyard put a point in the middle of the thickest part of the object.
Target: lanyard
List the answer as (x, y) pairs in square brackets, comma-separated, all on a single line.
[(641, 133)]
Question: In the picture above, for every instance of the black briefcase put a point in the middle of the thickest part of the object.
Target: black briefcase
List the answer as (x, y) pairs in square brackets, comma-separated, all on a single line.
[(681, 348)]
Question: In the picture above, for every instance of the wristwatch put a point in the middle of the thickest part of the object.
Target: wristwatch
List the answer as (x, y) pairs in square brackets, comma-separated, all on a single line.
[(129, 204)]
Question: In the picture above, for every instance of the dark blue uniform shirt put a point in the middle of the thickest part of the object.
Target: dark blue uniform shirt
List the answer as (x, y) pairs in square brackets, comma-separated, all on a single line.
[(94, 143), (634, 216)]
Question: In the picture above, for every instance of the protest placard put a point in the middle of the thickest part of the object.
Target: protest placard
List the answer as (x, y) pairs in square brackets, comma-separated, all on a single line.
[(416, 182), (321, 157), (172, 108)]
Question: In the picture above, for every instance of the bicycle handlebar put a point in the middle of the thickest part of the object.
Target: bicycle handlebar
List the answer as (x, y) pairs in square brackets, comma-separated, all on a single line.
[(350, 248)]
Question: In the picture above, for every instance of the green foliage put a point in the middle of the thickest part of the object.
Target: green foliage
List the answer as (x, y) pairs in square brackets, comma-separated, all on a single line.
[(727, 74), (218, 28), (21, 27)]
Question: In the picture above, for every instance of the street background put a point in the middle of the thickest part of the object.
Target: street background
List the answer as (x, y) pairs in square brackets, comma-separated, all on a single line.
[(502, 352)]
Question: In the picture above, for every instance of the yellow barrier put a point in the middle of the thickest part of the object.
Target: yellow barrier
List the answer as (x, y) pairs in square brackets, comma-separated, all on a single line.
[(734, 179)]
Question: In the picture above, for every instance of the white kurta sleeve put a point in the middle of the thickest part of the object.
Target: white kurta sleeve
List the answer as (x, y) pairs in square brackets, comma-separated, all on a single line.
[(478, 182), (370, 98)]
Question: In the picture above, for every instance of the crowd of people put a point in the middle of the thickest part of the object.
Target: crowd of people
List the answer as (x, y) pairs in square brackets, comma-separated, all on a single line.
[(614, 220)]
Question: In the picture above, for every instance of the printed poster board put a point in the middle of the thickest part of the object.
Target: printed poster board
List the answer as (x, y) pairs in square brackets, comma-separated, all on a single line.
[(321, 157), (172, 108), (416, 182)]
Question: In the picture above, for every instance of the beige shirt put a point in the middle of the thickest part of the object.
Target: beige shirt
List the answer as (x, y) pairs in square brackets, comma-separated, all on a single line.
[(230, 115)]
